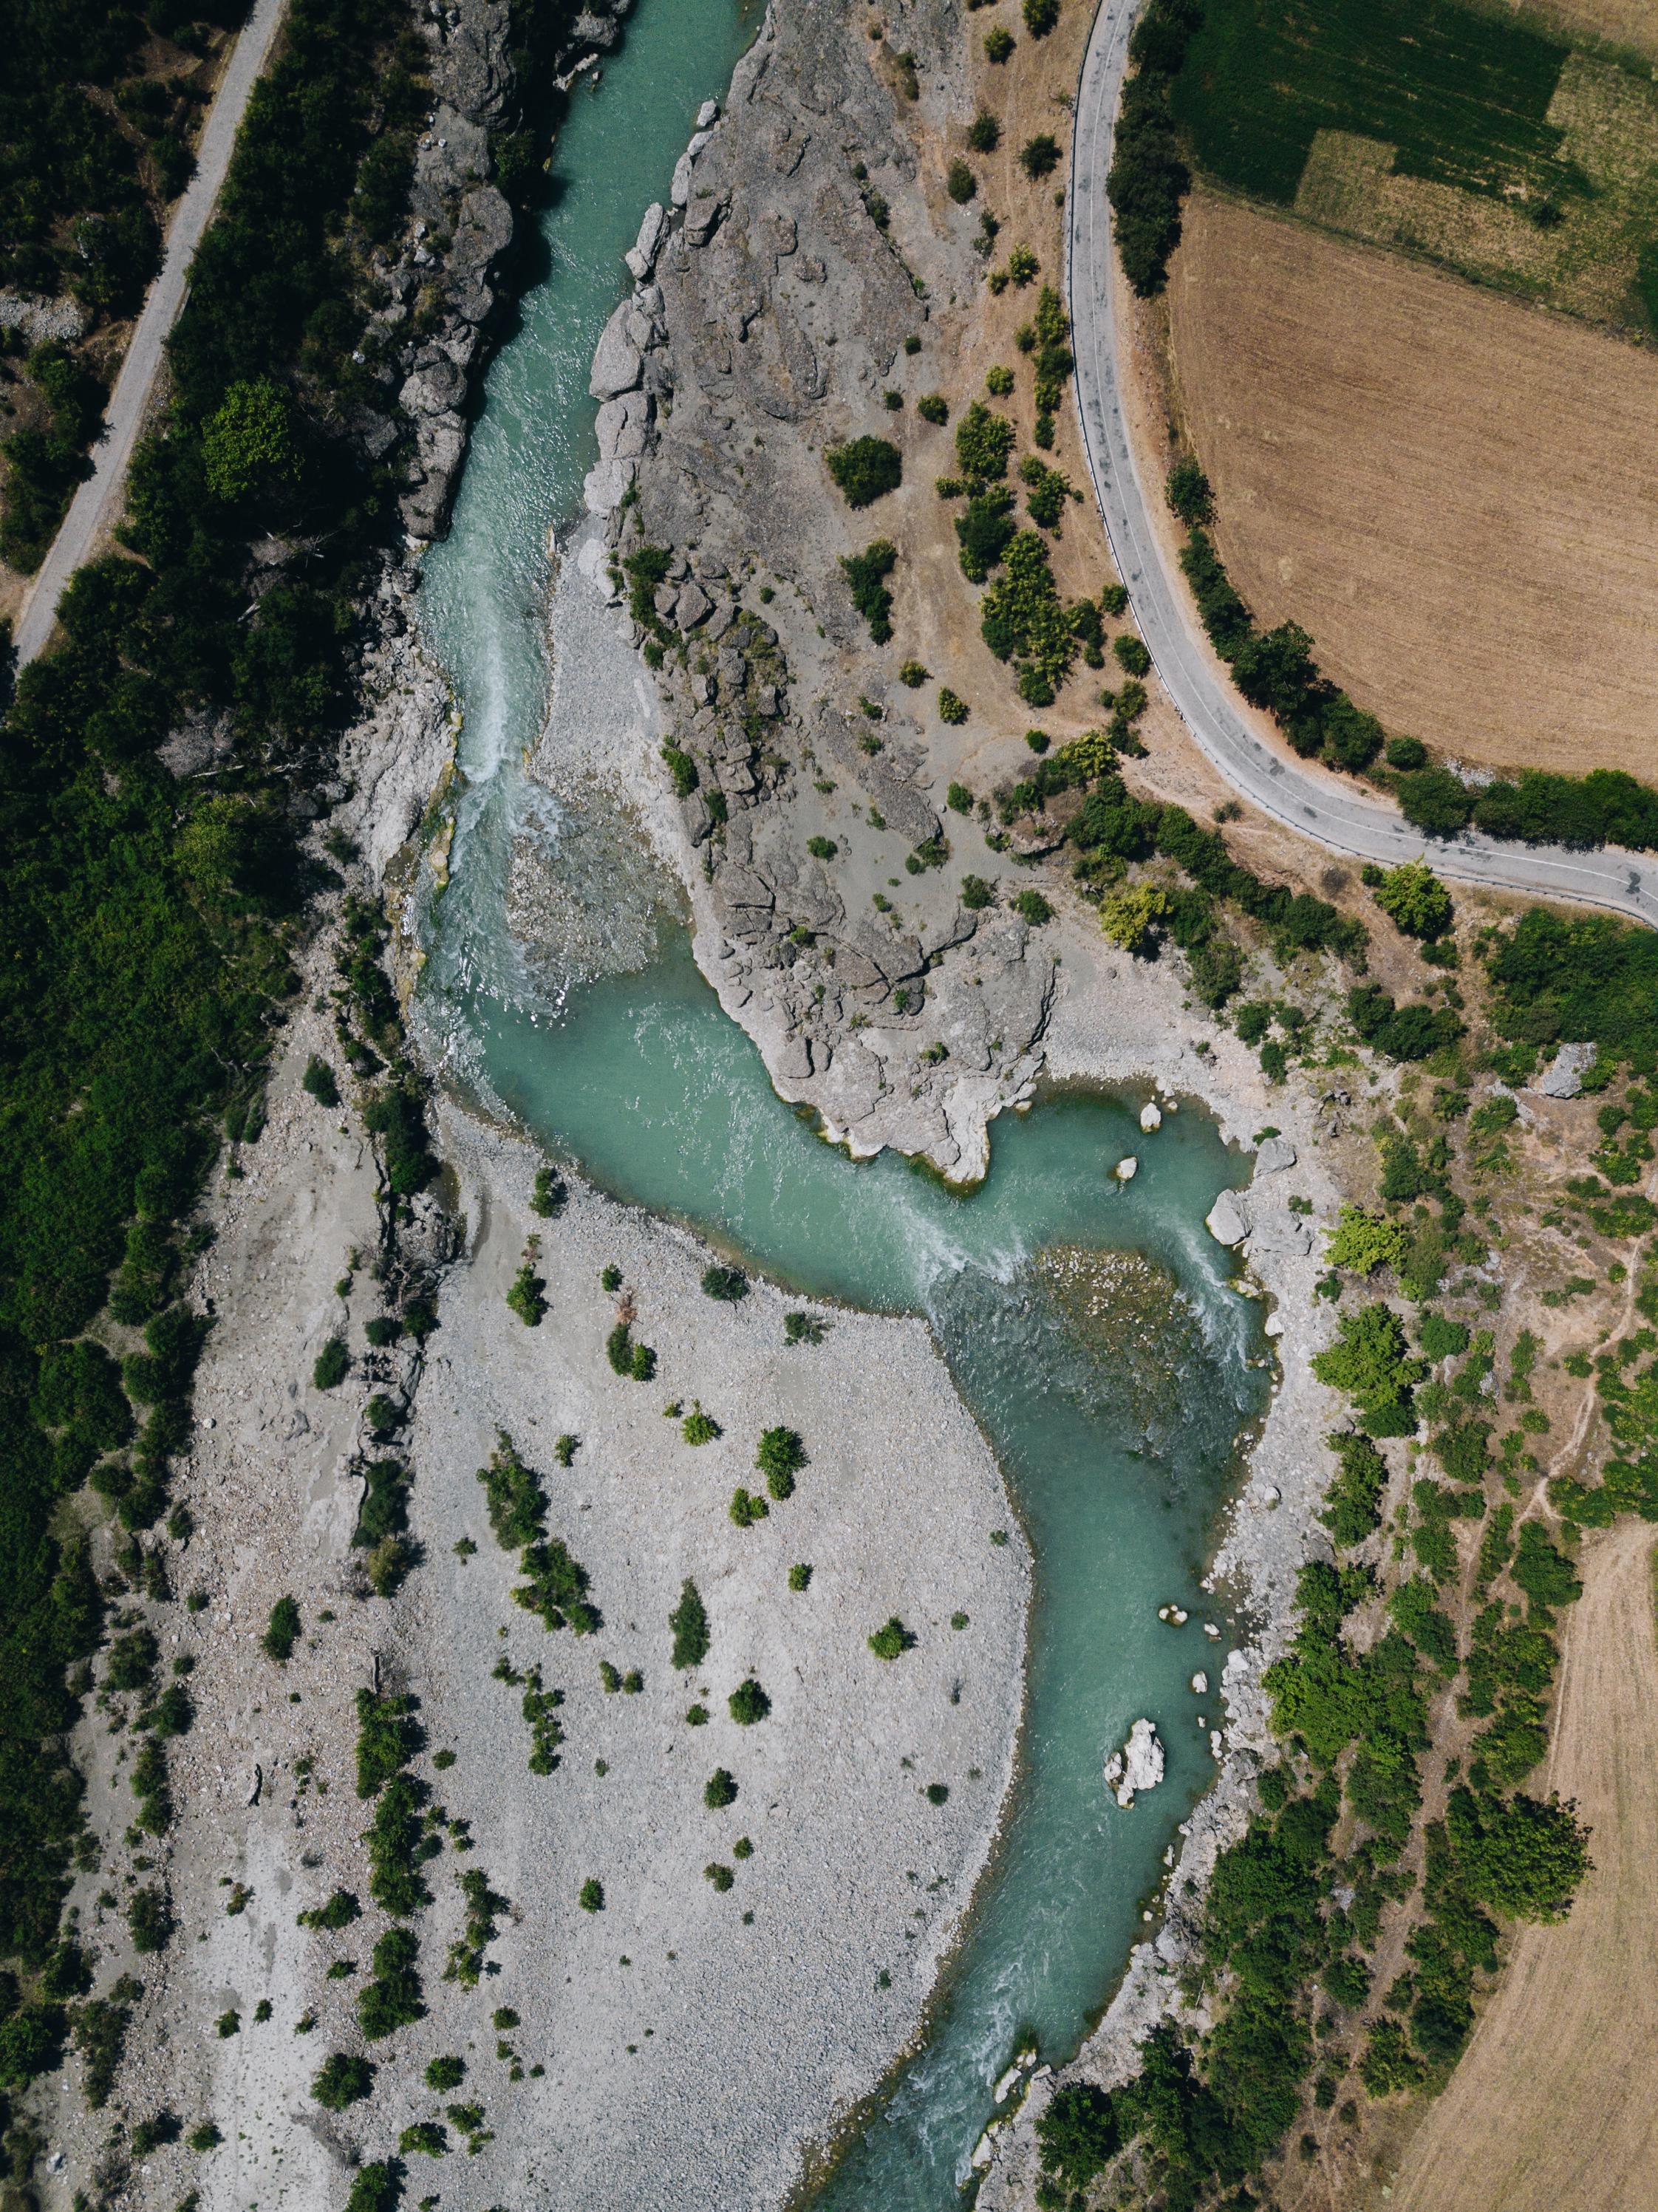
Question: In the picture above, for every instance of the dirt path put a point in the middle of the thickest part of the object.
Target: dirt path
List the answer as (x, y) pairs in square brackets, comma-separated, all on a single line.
[(1553, 2105), (96, 505)]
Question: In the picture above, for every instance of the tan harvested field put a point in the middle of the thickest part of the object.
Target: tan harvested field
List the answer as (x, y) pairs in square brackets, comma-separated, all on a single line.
[(1630, 24), (1456, 495), (1551, 2109)]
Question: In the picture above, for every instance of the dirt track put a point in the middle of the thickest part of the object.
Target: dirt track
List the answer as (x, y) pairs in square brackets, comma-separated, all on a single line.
[(1456, 495), (1551, 2110)]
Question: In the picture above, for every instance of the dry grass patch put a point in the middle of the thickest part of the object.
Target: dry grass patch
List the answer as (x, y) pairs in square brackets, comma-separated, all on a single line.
[(1551, 2105), (1457, 496)]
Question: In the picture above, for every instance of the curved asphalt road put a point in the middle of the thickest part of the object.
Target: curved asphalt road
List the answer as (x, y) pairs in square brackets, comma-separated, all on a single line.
[(97, 504), (1320, 805)]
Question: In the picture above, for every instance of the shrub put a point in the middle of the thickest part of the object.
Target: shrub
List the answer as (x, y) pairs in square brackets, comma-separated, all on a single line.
[(549, 1196), (998, 45), (984, 529), (1131, 654), (1371, 1361), (938, 1793), (392, 1999), (748, 1703), (1519, 1854), (342, 2080), (932, 407), (689, 1622), (1364, 1241), (951, 708), (318, 1080), (591, 1896), (1414, 900), (682, 771), (1148, 181), (746, 1508), (527, 1297), (720, 1876), (804, 1329), (150, 1919), (282, 1631), (892, 1641), (961, 184), (799, 1576), (821, 849), (698, 1427), (1190, 495), (720, 1790), (163, 2127), (959, 799), (984, 133), (430, 2138), (984, 442), (445, 2074), (333, 1364), (780, 1457), (340, 1909), (866, 469), (1033, 909), (1435, 801), (865, 574), (376, 2188), (1040, 156), (1041, 17), (1079, 2134), (977, 894), (204, 2138)]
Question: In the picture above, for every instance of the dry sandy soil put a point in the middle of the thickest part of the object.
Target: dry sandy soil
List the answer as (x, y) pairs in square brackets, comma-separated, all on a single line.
[(1456, 495), (1552, 2105)]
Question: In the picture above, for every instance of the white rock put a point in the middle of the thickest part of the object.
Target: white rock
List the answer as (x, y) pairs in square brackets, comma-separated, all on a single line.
[(1229, 1219), (1151, 1118), (707, 115), (1268, 1492), (1215, 1743), (1275, 1229), (1199, 1682), (1276, 1154), (1138, 1765), (616, 365), (1126, 1170), (1006, 2084), (1563, 1079), (1211, 1631)]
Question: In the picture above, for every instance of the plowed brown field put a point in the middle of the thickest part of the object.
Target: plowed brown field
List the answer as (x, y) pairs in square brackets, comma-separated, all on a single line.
[(1456, 495)]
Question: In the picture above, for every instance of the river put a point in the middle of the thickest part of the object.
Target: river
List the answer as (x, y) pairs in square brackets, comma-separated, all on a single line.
[(1091, 1326)]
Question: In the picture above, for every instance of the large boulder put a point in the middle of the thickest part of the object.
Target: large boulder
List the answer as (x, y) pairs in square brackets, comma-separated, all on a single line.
[(617, 364)]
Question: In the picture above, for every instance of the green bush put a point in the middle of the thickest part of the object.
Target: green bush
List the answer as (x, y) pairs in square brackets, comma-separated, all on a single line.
[(748, 1703), (392, 1999), (342, 2080), (933, 407), (1189, 493), (1033, 909), (892, 1640), (698, 1427), (527, 1297), (721, 1876), (746, 1508), (150, 1919), (962, 184), (591, 1897), (780, 1457), (548, 1198), (1370, 1360), (821, 849), (430, 2138), (1363, 1241), (377, 2187), (318, 1080), (682, 770), (445, 2074), (689, 1622), (799, 1576), (720, 1790), (727, 1284), (282, 1631), (866, 573), (1040, 156), (984, 442), (866, 469), (951, 708), (998, 45), (1131, 654), (333, 1364), (1041, 17)]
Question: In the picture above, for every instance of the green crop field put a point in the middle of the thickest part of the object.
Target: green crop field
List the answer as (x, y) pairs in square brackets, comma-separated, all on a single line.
[(1462, 97)]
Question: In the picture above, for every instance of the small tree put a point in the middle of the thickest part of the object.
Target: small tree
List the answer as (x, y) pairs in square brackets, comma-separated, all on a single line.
[(1364, 1241), (445, 2074), (341, 2080), (689, 1623), (892, 1641), (780, 1457), (282, 1631), (248, 444), (728, 1285), (960, 182), (1414, 900), (746, 1508), (748, 1703), (866, 469), (984, 133), (720, 1790), (1190, 495), (804, 1329), (527, 1298), (550, 1193), (1040, 156)]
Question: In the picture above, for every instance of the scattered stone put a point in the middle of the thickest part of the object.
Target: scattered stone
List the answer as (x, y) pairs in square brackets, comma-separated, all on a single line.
[(1564, 1077), (1228, 1222), (1275, 1154), (1126, 1170), (1199, 1682), (1151, 1118)]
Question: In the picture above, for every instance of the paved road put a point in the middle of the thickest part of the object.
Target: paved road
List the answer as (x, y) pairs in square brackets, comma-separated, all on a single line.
[(1319, 805), (97, 504)]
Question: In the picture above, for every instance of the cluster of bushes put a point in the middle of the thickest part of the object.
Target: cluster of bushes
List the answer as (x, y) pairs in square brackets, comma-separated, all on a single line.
[(866, 573), (555, 1585), (43, 466)]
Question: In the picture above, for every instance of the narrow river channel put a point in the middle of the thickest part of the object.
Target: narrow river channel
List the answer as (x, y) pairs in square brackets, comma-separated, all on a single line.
[(1090, 1327)]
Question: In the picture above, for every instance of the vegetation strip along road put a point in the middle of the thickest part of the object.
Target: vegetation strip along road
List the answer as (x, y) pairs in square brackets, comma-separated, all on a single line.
[(99, 500), (1313, 804)]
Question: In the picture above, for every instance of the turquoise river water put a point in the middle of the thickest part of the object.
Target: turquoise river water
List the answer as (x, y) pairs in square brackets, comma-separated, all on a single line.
[(1117, 1440)]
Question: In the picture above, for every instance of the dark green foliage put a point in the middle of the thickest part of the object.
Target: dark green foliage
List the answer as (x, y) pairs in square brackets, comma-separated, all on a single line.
[(388, 1737), (866, 469), (730, 1285), (283, 1631), (527, 1296), (342, 2080), (1190, 495), (445, 2074), (1352, 1503), (780, 1457), (1412, 1611), (1440, 1339), (647, 569), (556, 1590), (517, 1503), (984, 133), (962, 184), (376, 2188), (1435, 801), (984, 531), (933, 406), (591, 1897), (1370, 1360), (1148, 179), (689, 1622), (866, 573), (150, 1916), (392, 1999), (748, 1703), (550, 1193), (1400, 1032), (1544, 1572), (1023, 620), (333, 1364), (1079, 2134), (1040, 156), (892, 1640), (1518, 1854), (340, 1911), (720, 1790)]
